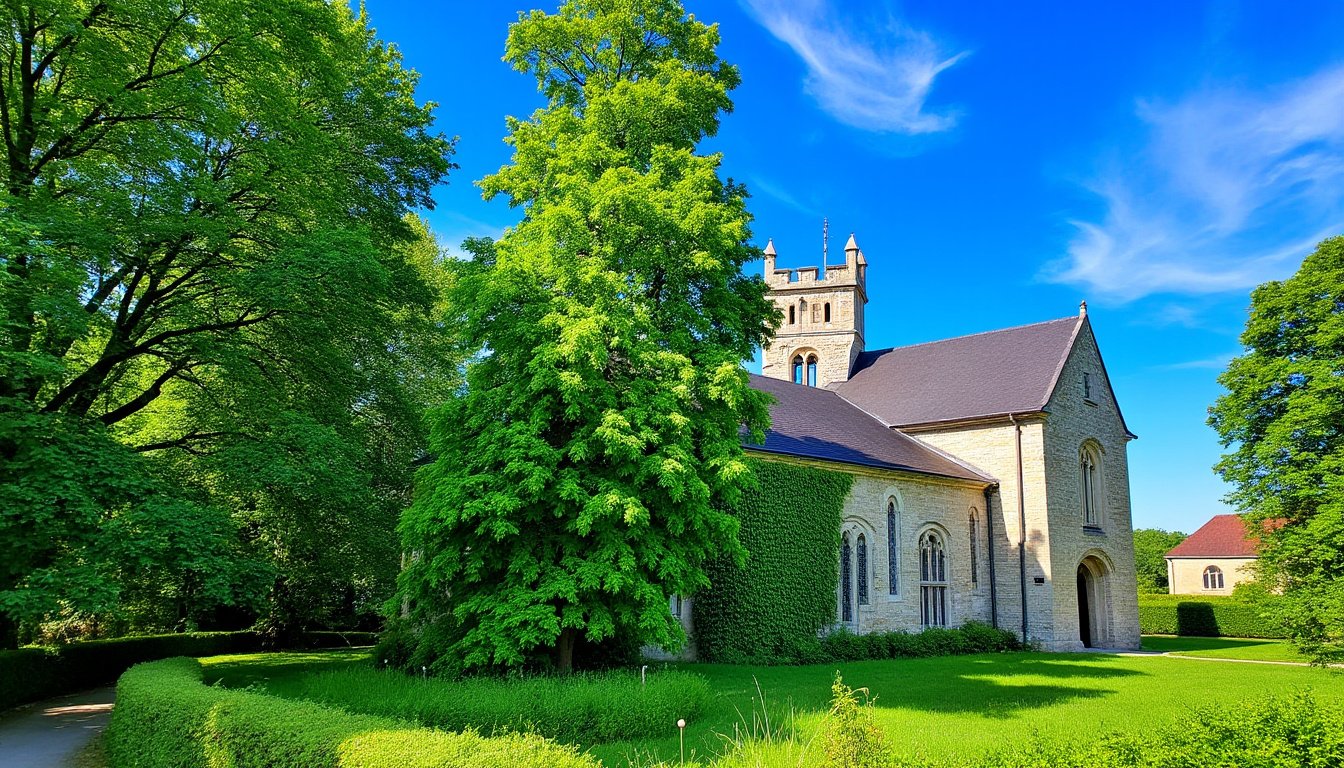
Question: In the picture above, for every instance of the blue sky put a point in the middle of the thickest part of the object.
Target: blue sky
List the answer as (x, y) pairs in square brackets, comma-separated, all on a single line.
[(998, 163)]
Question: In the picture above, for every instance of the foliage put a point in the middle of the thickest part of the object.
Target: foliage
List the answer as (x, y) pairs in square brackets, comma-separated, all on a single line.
[(580, 477), (850, 737), (790, 528), (208, 288), (1280, 419), (1150, 548), (610, 706), (1209, 616), (166, 717)]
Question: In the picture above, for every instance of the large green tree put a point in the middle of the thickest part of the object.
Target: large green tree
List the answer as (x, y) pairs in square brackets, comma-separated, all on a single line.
[(581, 476), (1283, 419), (1150, 548), (200, 283)]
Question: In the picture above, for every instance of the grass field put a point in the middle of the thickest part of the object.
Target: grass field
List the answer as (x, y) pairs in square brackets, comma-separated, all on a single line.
[(1224, 648), (941, 708)]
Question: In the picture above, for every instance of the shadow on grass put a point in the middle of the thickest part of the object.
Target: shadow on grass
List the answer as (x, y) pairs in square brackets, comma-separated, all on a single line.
[(242, 670), (1169, 643)]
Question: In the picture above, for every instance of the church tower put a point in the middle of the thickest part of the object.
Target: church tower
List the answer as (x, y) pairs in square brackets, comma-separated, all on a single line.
[(821, 334)]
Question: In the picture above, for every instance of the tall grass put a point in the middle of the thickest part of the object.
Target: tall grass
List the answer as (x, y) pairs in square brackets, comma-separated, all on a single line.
[(587, 708)]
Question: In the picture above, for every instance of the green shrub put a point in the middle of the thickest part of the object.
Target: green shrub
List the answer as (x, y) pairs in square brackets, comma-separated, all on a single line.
[(165, 717), (1199, 616), (974, 637), (590, 707)]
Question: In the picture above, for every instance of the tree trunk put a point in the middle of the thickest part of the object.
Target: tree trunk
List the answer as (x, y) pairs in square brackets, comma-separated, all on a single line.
[(564, 650)]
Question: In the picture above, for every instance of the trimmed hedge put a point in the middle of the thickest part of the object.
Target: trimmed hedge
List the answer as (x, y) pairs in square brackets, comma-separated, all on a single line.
[(166, 718), (791, 531), (1198, 616), (30, 674)]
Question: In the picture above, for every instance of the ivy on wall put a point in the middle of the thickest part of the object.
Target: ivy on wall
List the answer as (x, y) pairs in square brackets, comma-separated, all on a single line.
[(773, 608)]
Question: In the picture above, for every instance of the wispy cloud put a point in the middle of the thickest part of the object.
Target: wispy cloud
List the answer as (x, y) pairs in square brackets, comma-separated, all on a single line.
[(1231, 188), (1216, 363), (781, 195), (876, 81)]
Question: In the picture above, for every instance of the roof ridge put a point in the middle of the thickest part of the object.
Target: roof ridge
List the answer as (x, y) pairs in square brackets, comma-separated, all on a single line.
[(971, 335)]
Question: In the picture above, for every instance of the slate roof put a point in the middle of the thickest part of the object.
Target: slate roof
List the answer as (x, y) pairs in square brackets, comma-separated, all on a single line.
[(820, 424), (1223, 536), (985, 374)]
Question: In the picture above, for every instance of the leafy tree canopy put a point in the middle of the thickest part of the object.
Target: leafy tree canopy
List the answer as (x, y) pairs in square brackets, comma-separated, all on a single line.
[(1282, 418), (201, 285), (581, 477), (1150, 548)]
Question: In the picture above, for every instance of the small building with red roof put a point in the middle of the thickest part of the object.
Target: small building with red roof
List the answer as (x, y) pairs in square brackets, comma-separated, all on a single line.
[(1214, 559)]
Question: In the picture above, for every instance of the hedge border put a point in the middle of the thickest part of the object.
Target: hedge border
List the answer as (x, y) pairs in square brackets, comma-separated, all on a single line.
[(166, 717), (40, 672), (1207, 616)]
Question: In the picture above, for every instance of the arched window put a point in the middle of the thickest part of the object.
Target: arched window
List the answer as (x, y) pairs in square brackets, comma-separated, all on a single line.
[(1089, 465), (802, 310), (974, 525), (811, 370), (791, 318), (861, 556), (797, 369), (827, 312), (893, 548), (932, 580), (846, 581), (1213, 577)]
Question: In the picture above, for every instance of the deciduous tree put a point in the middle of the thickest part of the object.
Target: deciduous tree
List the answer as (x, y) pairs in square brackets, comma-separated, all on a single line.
[(581, 476)]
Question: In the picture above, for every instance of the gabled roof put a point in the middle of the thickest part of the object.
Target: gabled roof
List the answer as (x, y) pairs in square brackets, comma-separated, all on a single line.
[(1223, 536), (985, 374), (819, 424)]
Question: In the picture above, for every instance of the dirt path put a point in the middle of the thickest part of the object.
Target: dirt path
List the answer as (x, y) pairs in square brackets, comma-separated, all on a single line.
[(50, 733)]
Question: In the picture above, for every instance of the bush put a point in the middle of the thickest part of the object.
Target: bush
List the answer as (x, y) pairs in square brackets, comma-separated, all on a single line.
[(1207, 617), (29, 674), (974, 637), (166, 717), (595, 707)]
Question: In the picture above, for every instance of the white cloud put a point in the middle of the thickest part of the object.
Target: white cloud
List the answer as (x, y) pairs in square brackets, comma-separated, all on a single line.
[(1217, 363), (876, 82), (1230, 189), (770, 189)]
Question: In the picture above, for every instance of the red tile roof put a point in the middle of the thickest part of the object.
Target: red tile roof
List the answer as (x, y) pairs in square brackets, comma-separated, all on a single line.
[(819, 424), (985, 374), (1223, 536)]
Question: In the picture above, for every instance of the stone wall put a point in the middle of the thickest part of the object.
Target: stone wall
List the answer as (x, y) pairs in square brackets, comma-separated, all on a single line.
[(837, 342)]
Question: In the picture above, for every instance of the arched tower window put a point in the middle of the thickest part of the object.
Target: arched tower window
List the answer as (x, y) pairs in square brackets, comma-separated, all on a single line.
[(861, 558), (1089, 466), (1213, 577), (797, 369), (893, 548), (791, 315), (811, 370), (827, 311), (932, 580), (846, 581), (974, 525)]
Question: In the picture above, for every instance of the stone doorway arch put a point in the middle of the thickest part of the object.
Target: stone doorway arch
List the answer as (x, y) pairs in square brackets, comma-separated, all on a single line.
[(1094, 602)]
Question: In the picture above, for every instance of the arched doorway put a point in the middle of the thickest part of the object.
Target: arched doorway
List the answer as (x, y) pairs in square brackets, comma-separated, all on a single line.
[(1094, 612)]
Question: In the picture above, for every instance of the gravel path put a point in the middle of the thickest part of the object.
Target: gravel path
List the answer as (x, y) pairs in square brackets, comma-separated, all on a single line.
[(50, 733)]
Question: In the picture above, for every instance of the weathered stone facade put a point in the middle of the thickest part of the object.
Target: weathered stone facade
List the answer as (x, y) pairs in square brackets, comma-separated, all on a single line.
[(822, 318)]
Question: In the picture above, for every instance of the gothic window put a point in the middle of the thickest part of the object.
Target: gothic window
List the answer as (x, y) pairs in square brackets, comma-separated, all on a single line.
[(797, 369), (932, 580), (674, 604), (1213, 577), (975, 547), (802, 310), (1089, 465), (828, 312), (811, 370), (893, 549), (846, 581), (791, 320), (861, 556)]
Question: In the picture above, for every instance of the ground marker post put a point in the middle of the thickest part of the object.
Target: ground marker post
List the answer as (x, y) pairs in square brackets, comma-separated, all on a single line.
[(681, 726)]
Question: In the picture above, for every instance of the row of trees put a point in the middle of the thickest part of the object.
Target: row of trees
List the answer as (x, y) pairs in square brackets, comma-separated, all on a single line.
[(218, 318)]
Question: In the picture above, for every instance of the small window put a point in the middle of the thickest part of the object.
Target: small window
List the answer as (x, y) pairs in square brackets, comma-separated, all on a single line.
[(861, 556), (811, 370), (1089, 468), (827, 312), (816, 313), (797, 369), (1087, 386), (846, 581), (974, 524), (791, 319), (674, 604), (893, 548), (1213, 577)]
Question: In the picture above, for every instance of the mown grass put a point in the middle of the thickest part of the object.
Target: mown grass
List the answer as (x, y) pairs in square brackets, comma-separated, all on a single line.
[(1224, 648), (954, 708)]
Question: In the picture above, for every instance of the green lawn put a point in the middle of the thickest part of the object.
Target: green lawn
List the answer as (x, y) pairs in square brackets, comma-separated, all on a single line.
[(942, 707), (1224, 648)]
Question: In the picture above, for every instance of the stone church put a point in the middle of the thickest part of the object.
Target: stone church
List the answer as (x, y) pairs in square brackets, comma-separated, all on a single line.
[(990, 479)]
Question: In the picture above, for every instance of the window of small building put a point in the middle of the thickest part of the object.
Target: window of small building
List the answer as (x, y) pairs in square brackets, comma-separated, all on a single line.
[(932, 580), (1213, 577)]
